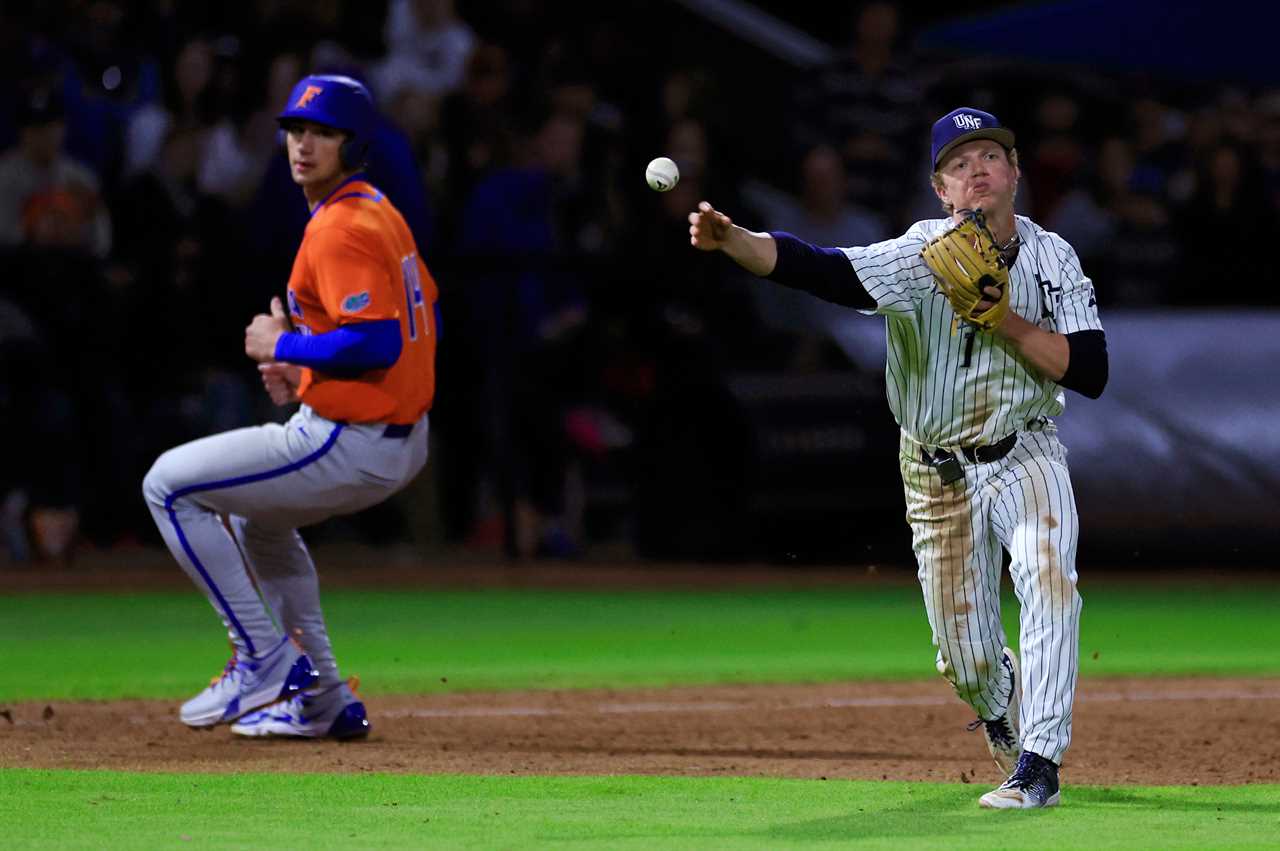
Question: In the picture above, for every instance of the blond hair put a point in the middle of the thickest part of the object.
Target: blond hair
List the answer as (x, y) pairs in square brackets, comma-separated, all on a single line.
[(936, 179)]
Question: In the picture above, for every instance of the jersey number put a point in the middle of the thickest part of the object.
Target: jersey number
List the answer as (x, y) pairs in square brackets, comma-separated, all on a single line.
[(968, 345), (413, 296)]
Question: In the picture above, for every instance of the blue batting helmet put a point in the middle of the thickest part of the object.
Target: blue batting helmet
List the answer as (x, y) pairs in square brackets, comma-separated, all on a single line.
[(339, 102)]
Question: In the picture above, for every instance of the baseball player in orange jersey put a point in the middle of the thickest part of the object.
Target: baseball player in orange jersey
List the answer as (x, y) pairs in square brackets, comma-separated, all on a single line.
[(359, 355)]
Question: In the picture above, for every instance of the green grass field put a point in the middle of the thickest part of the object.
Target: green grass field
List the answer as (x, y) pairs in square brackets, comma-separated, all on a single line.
[(406, 642), (70, 645), (70, 810)]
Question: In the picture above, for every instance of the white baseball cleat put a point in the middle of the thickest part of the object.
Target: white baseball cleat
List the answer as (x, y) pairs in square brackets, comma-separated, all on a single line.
[(1004, 738), (334, 713), (249, 682), (1033, 784)]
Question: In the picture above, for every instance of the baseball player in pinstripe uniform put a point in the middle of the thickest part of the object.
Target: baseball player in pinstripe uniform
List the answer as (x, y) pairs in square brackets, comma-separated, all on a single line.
[(982, 467), (357, 349)]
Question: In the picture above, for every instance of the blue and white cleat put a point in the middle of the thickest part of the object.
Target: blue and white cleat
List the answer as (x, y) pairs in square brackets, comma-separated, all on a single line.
[(335, 713), (250, 682), (1033, 784)]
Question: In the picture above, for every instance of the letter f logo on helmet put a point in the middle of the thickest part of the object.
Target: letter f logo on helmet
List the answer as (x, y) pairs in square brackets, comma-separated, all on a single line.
[(308, 95)]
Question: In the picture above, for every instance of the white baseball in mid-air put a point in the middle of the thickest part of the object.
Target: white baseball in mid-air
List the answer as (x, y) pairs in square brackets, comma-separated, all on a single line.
[(662, 174)]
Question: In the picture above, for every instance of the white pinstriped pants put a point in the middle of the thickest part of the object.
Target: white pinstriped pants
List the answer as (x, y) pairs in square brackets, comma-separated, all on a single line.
[(1022, 503)]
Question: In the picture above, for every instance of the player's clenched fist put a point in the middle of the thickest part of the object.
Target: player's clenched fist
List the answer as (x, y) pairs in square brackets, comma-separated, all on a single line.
[(708, 227), (264, 332), (281, 381)]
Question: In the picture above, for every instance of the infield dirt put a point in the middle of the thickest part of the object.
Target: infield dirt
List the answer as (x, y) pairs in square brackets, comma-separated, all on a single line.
[(1145, 731)]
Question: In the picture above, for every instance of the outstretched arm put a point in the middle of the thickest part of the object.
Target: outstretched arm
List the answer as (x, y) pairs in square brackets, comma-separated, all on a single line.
[(781, 257)]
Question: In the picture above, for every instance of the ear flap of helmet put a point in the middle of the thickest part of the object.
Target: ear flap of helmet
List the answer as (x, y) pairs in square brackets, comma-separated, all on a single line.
[(353, 153)]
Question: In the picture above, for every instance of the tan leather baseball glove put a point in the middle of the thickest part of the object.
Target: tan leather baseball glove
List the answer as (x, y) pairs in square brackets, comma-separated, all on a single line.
[(964, 259)]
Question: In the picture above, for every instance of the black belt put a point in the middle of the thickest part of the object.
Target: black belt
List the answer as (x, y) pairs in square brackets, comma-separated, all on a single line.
[(398, 431), (975, 454), (395, 431)]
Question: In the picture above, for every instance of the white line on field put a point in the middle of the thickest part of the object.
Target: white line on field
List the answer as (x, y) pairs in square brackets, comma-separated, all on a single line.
[(832, 703)]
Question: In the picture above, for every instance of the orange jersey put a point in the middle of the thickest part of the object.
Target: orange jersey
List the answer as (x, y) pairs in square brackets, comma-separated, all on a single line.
[(357, 263)]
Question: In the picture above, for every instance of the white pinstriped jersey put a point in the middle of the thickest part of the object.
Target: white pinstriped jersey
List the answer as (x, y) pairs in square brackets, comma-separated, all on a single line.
[(936, 398)]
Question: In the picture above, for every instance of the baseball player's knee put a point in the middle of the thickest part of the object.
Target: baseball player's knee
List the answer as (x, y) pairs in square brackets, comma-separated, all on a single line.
[(1054, 587), (153, 486), (161, 480)]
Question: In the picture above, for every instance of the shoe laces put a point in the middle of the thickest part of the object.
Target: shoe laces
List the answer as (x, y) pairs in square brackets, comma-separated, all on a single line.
[(1027, 772), (998, 730), (227, 669)]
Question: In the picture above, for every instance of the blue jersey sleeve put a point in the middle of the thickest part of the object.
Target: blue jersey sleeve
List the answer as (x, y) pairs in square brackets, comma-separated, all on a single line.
[(824, 272), (353, 349)]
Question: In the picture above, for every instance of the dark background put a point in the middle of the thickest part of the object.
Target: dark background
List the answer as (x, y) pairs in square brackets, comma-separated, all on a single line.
[(602, 388)]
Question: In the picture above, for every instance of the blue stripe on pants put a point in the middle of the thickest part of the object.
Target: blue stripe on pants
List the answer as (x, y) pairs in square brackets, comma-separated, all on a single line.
[(231, 483)]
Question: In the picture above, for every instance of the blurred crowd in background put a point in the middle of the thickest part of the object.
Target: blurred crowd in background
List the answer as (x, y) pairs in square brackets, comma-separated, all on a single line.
[(146, 213)]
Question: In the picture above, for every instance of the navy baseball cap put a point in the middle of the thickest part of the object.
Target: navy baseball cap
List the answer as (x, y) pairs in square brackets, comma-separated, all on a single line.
[(964, 125)]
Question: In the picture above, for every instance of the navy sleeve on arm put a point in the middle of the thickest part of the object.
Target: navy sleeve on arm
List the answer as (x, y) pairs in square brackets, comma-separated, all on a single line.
[(824, 272), (1087, 366), (348, 351)]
